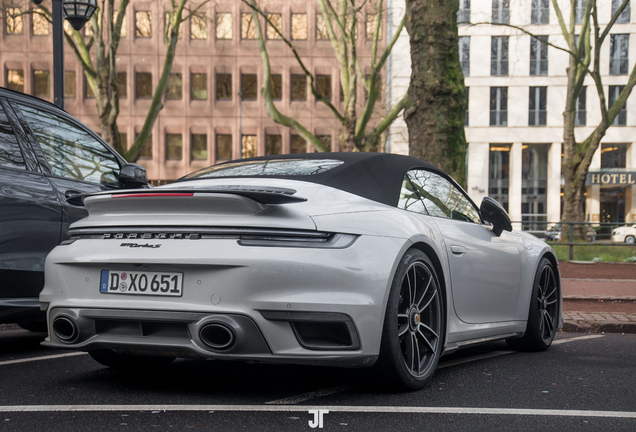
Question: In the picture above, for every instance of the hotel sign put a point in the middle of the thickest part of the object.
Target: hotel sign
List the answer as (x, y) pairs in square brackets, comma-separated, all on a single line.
[(611, 178)]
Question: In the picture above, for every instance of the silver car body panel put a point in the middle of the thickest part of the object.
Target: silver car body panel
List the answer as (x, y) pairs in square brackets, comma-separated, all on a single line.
[(223, 277)]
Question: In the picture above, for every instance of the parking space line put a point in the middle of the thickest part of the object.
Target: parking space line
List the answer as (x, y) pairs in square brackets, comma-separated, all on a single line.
[(309, 396), (332, 409), (49, 357), (578, 338)]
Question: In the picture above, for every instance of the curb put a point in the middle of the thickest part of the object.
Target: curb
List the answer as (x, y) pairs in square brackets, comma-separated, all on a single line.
[(598, 297), (598, 327)]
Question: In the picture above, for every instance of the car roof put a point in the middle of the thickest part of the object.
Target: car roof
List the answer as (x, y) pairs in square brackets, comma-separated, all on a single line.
[(7, 92), (375, 176)]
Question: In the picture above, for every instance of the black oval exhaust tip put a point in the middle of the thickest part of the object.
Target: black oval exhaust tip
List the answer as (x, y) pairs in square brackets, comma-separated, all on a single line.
[(217, 336), (65, 329)]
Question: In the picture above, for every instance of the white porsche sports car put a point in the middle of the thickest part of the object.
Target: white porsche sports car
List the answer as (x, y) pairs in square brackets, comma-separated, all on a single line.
[(342, 259)]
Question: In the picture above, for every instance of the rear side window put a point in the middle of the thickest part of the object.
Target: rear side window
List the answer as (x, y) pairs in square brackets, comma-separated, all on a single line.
[(71, 151), (10, 154)]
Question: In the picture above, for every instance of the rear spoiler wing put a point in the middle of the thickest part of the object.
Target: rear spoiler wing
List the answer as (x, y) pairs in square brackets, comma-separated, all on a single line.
[(264, 195)]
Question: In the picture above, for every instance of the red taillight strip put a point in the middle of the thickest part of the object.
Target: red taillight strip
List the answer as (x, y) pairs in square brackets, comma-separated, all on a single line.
[(148, 195)]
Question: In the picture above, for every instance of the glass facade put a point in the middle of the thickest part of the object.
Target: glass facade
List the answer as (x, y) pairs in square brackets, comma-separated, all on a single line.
[(499, 173), (534, 184)]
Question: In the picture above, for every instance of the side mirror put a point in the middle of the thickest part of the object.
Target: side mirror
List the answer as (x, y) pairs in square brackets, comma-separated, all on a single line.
[(494, 213), (133, 176)]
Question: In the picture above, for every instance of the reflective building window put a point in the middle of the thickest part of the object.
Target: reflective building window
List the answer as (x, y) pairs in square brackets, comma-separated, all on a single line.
[(499, 173), (534, 183)]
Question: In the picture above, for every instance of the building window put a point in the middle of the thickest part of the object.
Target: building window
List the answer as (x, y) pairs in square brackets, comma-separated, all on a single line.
[(499, 56), (299, 87), (539, 55), (41, 83), (621, 117), (143, 85), (273, 145), (143, 24), (198, 26), (323, 86), (224, 25), (299, 26), (321, 27), (579, 11), (223, 86), (298, 144), (169, 22), (40, 24), (499, 173), (534, 183), (623, 18), (174, 146), (274, 22), (15, 79), (248, 29), (198, 146), (467, 105), (223, 147), (13, 20), (249, 86), (122, 85), (613, 156), (276, 86), (464, 54), (372, 22), (619, 54), (326, 141), (501, 11), (498, 106), (70, 86), (88, 90), (581, 113), (123, 140), (199, 86), (146, 151), (463, 13), (174, 89), (540, 12), (537, 108), (248, 146)]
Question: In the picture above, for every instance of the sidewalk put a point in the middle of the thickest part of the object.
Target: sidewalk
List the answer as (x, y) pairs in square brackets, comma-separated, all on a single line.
[(599, 297)]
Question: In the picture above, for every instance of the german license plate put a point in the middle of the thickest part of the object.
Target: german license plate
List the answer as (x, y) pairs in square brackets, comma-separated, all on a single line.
[(141, 283)]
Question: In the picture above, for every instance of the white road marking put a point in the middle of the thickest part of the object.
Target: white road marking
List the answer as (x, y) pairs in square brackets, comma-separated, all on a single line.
[(308, 396), (306, 408), (578, 338), (473, 358), (49, 357)]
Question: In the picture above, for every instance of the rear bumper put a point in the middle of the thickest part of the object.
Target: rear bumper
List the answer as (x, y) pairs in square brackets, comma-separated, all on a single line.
[(285, 305)]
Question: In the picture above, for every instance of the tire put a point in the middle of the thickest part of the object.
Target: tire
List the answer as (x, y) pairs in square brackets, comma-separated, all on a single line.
[(629, 239), (414, 325), (543, 316), (124, 361)]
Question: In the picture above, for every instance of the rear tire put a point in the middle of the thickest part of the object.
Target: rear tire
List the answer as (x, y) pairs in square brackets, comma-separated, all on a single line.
[(543, 317), (124, 361), (414, 325)]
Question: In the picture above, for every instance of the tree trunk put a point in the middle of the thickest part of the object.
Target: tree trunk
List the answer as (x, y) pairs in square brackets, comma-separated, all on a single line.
[(437, 96)]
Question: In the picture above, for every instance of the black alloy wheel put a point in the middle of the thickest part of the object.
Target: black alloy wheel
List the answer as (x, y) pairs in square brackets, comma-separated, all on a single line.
[(543, 317), (414, 324)]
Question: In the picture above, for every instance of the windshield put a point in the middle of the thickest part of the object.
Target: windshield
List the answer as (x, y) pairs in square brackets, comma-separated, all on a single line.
[(271, 167)]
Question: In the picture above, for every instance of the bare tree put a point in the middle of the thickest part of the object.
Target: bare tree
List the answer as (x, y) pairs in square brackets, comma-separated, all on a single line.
[(101, 73), (340, 18), (437, 96)]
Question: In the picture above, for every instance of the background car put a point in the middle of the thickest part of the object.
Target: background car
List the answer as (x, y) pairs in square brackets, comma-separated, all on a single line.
[(46, 157), (626, 233), (341, 259), (555, 233)]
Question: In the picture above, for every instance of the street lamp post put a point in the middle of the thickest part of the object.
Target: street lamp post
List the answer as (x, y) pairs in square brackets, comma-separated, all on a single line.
[(77, 12)]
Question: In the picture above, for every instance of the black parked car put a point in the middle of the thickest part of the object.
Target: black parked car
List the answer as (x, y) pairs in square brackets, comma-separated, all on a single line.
[(47, 157)]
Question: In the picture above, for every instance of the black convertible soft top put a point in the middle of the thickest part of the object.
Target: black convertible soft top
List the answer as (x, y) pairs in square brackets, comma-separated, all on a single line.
[(376, 176)]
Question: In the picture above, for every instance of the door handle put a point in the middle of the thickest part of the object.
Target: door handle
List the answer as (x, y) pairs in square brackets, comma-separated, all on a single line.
[(458, 250)]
